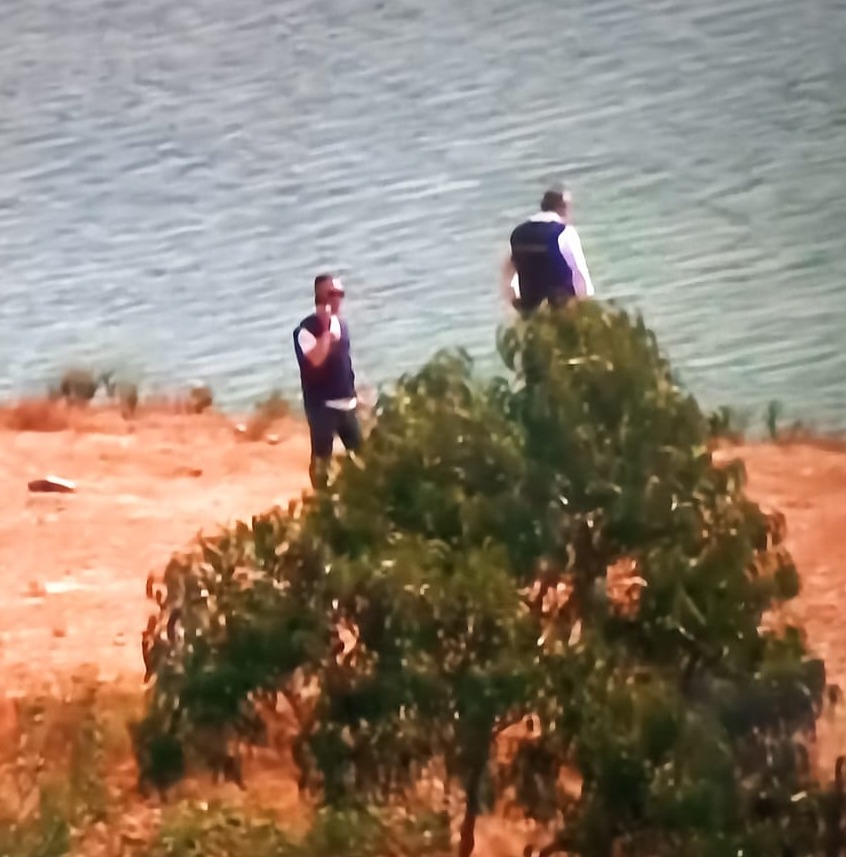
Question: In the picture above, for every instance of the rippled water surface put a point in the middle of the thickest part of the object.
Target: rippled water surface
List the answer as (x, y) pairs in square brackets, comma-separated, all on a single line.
[(173, 174)]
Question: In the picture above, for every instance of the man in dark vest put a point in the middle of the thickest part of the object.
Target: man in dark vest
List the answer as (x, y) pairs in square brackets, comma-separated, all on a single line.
[(547, 262), (322, 346)]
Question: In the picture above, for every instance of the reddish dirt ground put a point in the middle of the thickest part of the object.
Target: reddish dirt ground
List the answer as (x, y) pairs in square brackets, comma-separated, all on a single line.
[(73, 566), (807, 482)]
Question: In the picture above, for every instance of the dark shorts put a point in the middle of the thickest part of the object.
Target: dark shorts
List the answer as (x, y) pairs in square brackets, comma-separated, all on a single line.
[(324, 423)]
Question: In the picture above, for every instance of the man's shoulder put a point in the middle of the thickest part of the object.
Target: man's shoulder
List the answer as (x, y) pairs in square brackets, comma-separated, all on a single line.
[(543, 221), (306, 332), (570, 234), (309, 323)]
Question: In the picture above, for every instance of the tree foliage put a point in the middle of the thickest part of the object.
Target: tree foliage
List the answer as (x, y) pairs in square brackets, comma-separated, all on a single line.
[(557, 543)]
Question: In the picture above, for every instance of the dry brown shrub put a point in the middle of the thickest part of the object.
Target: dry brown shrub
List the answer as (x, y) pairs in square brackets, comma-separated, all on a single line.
[(41, 415), (267, 412), (799, 435), (200, 398), (624, 585)]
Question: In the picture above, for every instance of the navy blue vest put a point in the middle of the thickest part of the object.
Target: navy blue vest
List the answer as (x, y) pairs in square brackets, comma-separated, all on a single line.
[(542, 272), (334, 378)]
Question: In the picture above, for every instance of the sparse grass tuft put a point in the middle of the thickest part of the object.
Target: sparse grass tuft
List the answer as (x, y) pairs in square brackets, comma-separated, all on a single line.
[(200, 398), (53, 770), (266, 413), (201, 829), (67, 787), (728, 424), (772, 417)]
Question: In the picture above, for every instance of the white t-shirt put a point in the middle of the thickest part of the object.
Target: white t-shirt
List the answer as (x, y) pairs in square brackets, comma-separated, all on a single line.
[(307, 340), (570, 246)]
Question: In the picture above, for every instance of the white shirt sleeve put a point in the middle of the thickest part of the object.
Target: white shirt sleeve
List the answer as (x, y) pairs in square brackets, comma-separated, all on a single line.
[(571, 249), (306, 340), (509, 280)]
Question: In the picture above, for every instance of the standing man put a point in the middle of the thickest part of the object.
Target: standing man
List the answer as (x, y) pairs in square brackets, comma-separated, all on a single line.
[(547, 262), (322, 346)]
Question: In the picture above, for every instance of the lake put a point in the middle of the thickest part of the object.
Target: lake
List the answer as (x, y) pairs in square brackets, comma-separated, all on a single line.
[(172, 176)]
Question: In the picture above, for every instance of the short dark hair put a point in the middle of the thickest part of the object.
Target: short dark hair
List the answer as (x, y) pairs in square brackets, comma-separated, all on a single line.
[(320, 279), (329, 284), (555, 199), (321, 282)]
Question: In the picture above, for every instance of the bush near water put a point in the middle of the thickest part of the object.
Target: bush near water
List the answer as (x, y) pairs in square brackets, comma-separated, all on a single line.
[(556, 547)]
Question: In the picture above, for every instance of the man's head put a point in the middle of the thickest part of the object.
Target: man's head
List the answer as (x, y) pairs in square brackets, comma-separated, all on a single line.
[(328, 291), (557, 200)]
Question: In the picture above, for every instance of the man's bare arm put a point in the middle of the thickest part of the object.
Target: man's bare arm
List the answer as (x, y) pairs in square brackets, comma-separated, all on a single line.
[(509, 272), (315, 348), (571, 249)]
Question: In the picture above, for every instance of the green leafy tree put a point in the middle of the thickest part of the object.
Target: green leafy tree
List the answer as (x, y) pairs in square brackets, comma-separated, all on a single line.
[(558, 543), (432, 537), (682, 646)]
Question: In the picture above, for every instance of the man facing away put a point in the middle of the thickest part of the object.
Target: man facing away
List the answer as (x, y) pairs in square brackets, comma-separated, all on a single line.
[(322, 347), (547, 262)]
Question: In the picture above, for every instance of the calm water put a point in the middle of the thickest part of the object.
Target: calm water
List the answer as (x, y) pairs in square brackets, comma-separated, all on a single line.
[(173, 174)]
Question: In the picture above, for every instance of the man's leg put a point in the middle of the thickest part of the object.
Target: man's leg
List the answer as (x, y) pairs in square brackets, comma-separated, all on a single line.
[(321, 426), (560, 301), (349, 430)]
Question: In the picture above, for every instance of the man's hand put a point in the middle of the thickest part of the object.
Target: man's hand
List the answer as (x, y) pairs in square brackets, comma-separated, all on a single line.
[(317, 354), (334, 328)]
